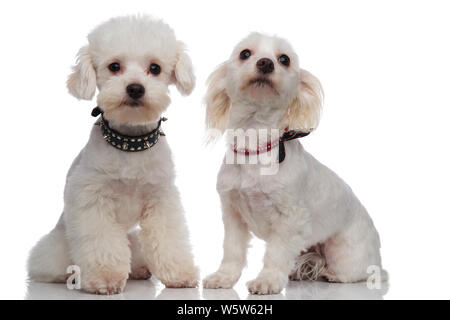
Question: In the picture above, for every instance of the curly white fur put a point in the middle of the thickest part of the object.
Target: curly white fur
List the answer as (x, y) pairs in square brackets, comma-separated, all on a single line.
[(109, 192), (304, 203)]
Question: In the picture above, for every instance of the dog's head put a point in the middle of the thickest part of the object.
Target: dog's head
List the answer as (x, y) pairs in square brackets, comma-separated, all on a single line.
[(263, 71), (132, 60)]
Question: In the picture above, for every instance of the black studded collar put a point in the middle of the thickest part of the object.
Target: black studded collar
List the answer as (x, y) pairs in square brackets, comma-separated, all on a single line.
[(125, 142)]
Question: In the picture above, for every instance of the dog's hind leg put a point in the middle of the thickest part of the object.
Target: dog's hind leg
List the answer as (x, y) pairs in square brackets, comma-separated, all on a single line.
[(139, 269), (353, 254), (49, 259)]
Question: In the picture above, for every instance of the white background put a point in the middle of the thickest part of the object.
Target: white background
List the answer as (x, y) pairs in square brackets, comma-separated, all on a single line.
[(385, 69)]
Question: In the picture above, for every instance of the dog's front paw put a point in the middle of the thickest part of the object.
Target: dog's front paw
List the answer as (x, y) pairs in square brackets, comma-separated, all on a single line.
[(267, 283), (186, 278), (220, 279), (103, 282)]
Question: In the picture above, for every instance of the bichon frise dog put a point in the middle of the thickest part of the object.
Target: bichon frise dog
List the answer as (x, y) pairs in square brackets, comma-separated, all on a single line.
[(125, 175), (312, 223)]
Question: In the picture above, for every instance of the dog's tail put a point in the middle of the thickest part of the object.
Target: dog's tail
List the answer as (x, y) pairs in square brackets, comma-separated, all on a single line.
[(310, 265)]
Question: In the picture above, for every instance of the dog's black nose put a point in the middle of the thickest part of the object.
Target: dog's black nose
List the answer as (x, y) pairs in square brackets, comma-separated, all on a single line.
[(135, 90), (265, 65)]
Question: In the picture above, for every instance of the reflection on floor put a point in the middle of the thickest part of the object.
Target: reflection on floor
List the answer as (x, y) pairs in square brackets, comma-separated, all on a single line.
[(153, 289)]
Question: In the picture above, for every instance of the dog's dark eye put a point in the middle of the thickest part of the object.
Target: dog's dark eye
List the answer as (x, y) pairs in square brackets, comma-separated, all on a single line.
[(114, 67), (284, 59), (245, 54), (155, 69)]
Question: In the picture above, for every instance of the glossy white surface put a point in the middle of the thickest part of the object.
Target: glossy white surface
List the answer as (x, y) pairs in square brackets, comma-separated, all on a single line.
[(154, 290)]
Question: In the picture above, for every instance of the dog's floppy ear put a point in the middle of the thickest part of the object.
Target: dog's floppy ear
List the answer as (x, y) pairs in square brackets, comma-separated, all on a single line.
[(184, 73), (305, 110), (82, 82), (217, 100)]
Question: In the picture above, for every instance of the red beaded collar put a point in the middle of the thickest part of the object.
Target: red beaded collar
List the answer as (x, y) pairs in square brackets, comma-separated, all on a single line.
[(287, 135), (261, 149)]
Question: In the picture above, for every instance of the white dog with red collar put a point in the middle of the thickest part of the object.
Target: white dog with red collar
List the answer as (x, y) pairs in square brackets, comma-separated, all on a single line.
[(313, 224)]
